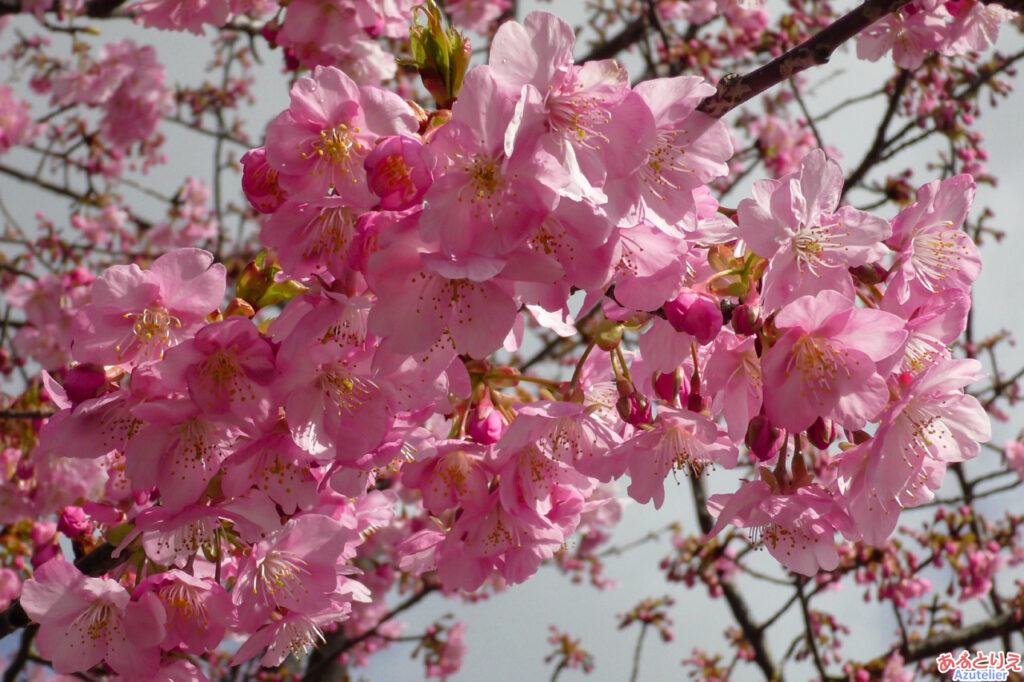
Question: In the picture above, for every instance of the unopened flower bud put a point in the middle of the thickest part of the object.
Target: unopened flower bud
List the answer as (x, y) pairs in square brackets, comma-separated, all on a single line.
[(441, 55), (822, 432), (237, 306), (259, 182), (696, 314), (745, 319), (634, 409), (869, 273), (485, 424), (695, 402), (42, 532), (667, 387), (84, 382), (73, 522), (44, 554), (763, 438), (509, 377)]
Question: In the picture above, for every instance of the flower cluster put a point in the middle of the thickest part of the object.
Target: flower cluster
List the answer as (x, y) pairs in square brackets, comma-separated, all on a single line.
[(345, 410)]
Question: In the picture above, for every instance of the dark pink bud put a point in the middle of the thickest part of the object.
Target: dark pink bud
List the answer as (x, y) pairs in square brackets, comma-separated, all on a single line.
[(80, 276), (73, 522), (44, 554), (84, 382), (25, 470), (822, 432), (634, 409), (259, 181), (42, 532), (763, 438), (745, 319), (397, 172), (696, 314), (486, 425), (665, 387), (270, 31)]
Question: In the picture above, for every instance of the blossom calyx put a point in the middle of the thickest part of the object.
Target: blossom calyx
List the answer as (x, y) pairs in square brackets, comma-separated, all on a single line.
[(258, 285), (608, 335)]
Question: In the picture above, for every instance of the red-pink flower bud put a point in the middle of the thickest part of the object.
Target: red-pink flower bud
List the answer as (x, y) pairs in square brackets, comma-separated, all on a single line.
[(822, 432), (44, 554), (745, 319), (634, 409), (763, 438), (665, 386), (73, 522), (486, 425), (259, 182), (84, 382), (696, 314)]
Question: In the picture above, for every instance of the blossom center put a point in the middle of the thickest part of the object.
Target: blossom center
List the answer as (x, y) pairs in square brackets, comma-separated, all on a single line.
[(151, 332), (281, 573), (336, 146)]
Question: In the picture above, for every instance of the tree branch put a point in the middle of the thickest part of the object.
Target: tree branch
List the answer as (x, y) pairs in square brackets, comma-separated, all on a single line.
[(319, 664), (961, 638), (737, 605), (734, 89)]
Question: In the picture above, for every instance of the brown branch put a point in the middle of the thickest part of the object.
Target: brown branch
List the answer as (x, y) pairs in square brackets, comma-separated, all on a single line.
[(94, 8), (740, 611), (734, 89), (878, 145), (319, 666), (624, 39), (22, 656), (960, 638), (26, 414)]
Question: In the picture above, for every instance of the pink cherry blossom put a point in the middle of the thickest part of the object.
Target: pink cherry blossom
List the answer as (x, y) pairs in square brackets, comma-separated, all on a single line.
[(733, 378), (685, 148), (486, 199), (451, 474), (584, 117), (934, 420), (198, 610), (227, 367), (680, 440), (911, 33), (16, 126), (179, 450), (794, 222), (397, 172), (826, 363), (182, 15), (83, 621), (476, 15), (934, 253), (321, 141), (420, 309), (135, 314), (797, 523), (296, 568)]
